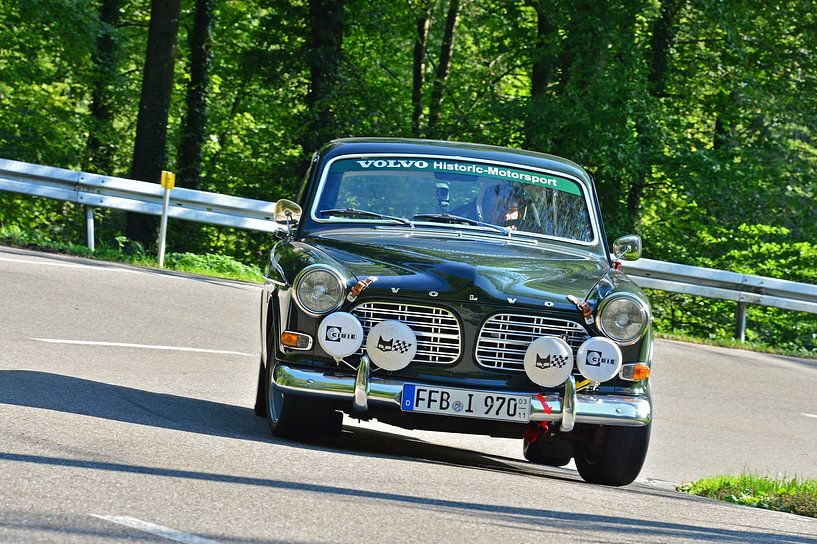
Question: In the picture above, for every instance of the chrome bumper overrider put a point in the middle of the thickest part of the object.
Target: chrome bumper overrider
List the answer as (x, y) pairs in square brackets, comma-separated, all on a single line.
[(365, 389)]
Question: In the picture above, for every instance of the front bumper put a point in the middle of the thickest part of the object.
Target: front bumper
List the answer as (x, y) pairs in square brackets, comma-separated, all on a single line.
[(567, 408)]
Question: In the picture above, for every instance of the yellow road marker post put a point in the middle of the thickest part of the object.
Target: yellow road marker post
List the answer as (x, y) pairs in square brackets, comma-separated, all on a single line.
[(168, 182)]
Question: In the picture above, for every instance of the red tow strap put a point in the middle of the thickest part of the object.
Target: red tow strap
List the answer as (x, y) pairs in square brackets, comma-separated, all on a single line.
[(535, 431)]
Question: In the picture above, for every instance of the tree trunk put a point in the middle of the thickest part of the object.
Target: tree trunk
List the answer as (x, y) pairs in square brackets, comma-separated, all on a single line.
[(154, 103), (663, 35), (101, 137), (725, 129), (420, 42), (195, 119), (438, 87), (664, 29), (542, 70), (326, 27), (584, 55)]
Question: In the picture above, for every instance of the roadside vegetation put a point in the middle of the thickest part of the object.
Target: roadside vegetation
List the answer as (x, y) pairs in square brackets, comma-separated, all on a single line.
[(782, 495), (208, 264), (732, 343)]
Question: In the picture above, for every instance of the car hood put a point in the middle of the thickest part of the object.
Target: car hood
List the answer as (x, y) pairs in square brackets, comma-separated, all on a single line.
[(471, 268)]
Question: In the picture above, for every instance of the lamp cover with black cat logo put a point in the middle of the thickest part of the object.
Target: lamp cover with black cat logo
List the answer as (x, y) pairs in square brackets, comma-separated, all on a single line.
[(391, 345), (548, 361)]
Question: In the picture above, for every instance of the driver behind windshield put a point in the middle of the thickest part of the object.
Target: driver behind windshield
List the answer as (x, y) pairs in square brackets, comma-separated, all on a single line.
[(497, 203)]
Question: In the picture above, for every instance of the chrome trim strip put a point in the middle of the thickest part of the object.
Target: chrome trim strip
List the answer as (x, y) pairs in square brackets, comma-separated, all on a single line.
[(284, 298), (569, 405), (592, 408), (585, 188)]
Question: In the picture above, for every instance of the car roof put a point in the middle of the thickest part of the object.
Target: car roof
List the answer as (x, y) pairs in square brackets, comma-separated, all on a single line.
[(349, 146)]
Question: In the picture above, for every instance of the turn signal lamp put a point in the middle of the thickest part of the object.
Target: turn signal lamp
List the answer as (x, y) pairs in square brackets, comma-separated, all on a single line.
[(296, 340), (634, 372)]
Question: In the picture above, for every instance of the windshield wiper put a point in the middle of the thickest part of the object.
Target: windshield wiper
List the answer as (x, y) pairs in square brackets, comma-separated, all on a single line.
[(453, 219), (366, 213)]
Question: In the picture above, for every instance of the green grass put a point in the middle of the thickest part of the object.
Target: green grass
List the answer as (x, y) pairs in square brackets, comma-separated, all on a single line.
[(734, 344), (207, 265), (785, 495)]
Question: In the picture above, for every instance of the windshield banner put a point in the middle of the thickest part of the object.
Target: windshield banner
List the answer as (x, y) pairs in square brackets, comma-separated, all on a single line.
[(458, 167)]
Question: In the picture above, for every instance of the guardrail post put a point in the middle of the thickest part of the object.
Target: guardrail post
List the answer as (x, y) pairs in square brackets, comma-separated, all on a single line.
[(168, 181), (740, 322), (89, 226)]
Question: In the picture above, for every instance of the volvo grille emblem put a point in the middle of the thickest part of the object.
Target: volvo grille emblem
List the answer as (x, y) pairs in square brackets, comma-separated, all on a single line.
[(433, 293), (548, 304), (511, 300), (472, 297), (395, 290)]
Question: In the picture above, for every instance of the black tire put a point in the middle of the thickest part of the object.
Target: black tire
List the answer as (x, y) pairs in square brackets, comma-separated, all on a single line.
[(261, 392), (543, 452), (298, 417), (612, 455)]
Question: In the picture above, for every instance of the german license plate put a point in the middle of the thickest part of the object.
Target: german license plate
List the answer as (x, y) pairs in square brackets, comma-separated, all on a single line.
[(464, 403)]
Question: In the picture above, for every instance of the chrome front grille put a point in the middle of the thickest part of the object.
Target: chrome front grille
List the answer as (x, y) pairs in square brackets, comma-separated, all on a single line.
[(504, 338), (438, 331)]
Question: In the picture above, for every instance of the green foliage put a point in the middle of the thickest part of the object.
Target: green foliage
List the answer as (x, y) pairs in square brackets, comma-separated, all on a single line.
[(750, 249), (211, 264), (783, 495), (711, 156)]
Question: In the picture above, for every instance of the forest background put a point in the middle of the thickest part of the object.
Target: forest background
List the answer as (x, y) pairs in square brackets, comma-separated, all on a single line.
[(696, 117)]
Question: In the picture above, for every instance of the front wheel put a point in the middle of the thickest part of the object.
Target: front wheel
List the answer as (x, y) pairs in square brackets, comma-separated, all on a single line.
[(612, 455), (261, 392), (301, 418)]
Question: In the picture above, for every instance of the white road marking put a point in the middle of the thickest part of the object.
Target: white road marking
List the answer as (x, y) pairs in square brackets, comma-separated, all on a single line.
[(71, 265), (158, 530), (808, 415), (141, 346)]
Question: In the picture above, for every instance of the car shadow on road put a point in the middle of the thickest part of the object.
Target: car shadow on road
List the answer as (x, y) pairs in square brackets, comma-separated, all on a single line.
[(73, 395), (118, 403)]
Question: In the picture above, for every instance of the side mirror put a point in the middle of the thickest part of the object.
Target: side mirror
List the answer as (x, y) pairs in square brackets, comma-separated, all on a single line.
[(287, 213), (627, 248)]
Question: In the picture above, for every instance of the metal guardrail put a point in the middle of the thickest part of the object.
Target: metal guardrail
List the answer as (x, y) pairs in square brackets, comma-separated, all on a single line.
[(744, 289), (713, 283), (95, 191)]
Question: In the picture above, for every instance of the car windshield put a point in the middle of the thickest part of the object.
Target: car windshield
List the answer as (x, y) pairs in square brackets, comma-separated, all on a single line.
[(454, 192)]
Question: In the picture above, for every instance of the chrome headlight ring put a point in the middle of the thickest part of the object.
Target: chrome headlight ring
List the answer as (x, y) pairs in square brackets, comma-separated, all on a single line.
[(606, 325), (328, 283)]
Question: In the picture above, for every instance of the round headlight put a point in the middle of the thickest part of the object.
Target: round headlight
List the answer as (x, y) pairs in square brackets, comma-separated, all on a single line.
[(623, 318), (319, 290)]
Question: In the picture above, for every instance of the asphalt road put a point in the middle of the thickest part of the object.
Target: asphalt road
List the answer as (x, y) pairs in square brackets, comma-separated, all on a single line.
[(125, 414)]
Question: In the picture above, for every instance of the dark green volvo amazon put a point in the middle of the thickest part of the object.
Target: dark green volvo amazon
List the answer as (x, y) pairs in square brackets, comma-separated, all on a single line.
[(457, 287)]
